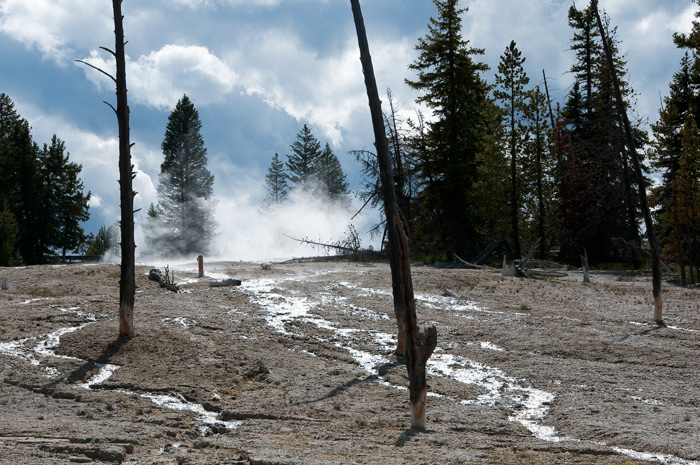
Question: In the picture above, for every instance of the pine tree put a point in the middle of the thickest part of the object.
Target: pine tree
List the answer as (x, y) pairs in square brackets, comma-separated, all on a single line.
[(452, 87), (331, 177), (105, 241), (510, 91), (185, 185), (20, 181), (66, 205), (596, 182), (42, 189), (538, 170), (683, 101), (276, 185), (684, 207), (303, 162), (9, 253)]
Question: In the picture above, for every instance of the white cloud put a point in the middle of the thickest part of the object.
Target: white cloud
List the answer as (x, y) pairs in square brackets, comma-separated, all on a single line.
[(325, 91), (160, 78), (54, 27), (193, 4), (99, 156)]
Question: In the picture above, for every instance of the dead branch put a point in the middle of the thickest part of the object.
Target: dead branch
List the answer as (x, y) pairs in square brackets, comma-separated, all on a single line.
[(321, 244)]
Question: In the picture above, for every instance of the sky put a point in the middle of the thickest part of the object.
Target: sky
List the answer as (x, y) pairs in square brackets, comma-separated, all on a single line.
[(258, 70)]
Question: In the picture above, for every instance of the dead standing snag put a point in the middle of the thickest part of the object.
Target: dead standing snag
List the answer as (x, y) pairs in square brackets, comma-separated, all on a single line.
[(127, 281), (649, 223), (417, 345)]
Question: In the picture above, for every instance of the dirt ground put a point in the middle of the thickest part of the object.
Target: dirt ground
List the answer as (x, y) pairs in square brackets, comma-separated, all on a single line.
[(295, 366)]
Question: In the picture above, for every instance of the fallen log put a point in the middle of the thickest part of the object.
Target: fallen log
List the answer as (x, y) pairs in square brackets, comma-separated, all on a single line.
[(225, 283)]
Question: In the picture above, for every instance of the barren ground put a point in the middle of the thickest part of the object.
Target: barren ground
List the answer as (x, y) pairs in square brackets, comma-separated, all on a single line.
[(296, 367)]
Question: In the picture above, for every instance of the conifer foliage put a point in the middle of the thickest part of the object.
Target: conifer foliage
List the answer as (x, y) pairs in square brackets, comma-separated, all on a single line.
[(309, 168), (448, 75), (183, 223), (276, 185), (42, 199)]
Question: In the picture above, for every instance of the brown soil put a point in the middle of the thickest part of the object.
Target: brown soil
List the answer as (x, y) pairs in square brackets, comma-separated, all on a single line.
[(296, 367)]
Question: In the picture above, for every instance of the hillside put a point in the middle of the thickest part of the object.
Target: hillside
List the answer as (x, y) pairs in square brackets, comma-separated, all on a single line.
[(295, 366)]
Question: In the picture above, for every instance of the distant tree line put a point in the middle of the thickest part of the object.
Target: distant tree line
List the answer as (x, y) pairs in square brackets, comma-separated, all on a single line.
[(42, 198), (308, 168), (498, 163)]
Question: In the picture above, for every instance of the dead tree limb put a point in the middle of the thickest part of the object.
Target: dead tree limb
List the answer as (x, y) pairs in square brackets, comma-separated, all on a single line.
[(419, 345), (321, 244), (644, 203)]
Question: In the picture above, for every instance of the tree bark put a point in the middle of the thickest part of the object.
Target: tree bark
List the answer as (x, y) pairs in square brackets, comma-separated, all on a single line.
[(127, 282), (419, 345), (651, 235)]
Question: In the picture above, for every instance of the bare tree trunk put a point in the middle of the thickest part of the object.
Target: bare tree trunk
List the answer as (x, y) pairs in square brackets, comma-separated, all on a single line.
[(127, 283), (651, 235), (419, 344)]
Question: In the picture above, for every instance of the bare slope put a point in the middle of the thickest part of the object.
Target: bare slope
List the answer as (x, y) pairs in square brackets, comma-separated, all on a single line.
[(296, 367)]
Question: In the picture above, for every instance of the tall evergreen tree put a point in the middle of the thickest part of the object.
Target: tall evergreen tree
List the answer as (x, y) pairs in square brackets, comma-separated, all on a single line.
[(276, 185), (673, 153), (21, 181), (596, 181), (452, 87), (303, 162), (538, 171), (510, 91), (9, 253), (332, 179), (66, 203), (683, 240), (103, 242), (185, 186), (42, 189)]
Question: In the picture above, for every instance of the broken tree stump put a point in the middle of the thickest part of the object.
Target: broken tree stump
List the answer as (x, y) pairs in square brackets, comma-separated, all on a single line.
[(586, 269), (163, 281)]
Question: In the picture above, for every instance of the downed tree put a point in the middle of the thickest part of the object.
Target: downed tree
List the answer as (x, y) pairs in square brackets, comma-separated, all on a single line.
[(225, 283), (417, 345)]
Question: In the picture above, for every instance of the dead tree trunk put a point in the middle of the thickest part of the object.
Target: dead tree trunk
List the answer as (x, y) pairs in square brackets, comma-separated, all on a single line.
[(419, 345), (644, 203), (127, 282)]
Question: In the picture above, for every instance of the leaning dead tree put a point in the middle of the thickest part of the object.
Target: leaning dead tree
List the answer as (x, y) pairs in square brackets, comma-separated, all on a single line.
[(644, 203), (127, 282), (417, 345)]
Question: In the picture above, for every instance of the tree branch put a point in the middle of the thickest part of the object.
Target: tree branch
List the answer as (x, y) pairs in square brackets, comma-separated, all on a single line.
[(98, 69), (110, 105), (109, 51)]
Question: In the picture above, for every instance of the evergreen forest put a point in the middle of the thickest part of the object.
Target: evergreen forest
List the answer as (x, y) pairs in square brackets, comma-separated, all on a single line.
[(42, 199), (500, 168), (491, 166)]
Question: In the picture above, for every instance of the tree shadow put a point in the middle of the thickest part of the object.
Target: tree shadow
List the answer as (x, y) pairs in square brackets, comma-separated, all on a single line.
[(80, 373), (409, 434), (645, 332), (338, 390)]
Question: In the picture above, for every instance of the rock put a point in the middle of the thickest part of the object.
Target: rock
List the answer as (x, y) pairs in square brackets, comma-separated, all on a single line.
[(112, 454)]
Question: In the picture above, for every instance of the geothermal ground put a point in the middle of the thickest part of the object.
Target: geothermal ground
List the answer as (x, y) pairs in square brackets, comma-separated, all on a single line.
[(295, 366)]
